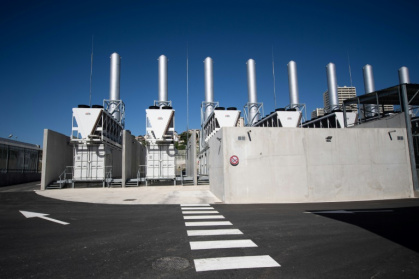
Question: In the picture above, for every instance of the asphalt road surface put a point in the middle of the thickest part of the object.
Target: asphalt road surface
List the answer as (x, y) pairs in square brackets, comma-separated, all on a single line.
[(377, 239)]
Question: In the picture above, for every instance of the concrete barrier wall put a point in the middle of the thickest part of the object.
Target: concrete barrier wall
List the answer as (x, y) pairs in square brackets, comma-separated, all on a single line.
[(57, 154), (392, 121), (301, 165), (133, 155), (191, 164), (126, 156), (218, 168), (116, 162)]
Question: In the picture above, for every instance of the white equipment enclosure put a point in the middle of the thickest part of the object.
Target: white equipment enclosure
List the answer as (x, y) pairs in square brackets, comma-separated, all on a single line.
[(161, 160), (97, 138)]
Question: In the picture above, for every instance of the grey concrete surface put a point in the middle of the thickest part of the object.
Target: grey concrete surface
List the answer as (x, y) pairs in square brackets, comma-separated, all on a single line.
[(135, 195), (57, 154), (133, 155), (301, 165), (392, 121), (191, 165)]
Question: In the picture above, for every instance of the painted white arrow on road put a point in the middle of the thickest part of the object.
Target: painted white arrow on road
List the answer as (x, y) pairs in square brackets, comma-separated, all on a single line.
[(29, 214)]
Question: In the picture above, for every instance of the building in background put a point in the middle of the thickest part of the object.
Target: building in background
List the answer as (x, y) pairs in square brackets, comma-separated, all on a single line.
[(343, 94), (20, 162), (317, 113), (240, 123)]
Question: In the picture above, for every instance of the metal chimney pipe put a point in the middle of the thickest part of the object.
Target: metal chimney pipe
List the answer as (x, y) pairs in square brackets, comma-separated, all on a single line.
[(162, 78), (115, 77), (332, 86), (369, 87), (368, 79), (403, 79), (252, 92), (114, 85), (209, 85), (293, 83), (404, 75)]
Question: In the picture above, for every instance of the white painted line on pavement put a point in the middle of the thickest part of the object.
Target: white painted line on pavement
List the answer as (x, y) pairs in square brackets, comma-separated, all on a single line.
[(198, 208), (234, 263), (200, 212), (208, 223), (348, 211), (204, 217), (195, 204), (221, 244), (213, 232)]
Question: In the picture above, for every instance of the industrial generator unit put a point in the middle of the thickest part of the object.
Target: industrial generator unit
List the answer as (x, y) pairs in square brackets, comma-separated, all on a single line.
[(213, 118), (97, 136), (289, 116), (160, 133)]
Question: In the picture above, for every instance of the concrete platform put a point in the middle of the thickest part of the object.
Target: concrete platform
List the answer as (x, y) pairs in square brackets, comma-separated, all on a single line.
[(135, 195)]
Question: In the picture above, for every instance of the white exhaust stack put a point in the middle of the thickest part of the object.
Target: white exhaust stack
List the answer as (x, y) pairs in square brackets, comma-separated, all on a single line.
[(369, 87), (368, 79), (114, 84), (332, 87), (252, 93), (162, 79), (404, 75), (403, 79), (209, 86), (293, 84)]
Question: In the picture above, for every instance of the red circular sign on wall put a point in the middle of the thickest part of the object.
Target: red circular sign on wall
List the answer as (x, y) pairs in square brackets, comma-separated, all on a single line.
[(234, 160)]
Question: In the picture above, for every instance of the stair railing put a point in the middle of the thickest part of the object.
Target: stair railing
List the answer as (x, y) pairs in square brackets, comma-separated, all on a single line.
[(66, 176)]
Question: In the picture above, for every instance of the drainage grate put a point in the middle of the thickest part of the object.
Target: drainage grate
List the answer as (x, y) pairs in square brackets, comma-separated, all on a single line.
[(171, 263), (130, 200)]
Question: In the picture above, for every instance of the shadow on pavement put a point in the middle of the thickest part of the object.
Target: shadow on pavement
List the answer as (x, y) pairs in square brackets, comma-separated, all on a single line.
[(399, 225)]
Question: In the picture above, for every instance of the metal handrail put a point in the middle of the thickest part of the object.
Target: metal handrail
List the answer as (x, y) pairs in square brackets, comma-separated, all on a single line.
[(69, 170)]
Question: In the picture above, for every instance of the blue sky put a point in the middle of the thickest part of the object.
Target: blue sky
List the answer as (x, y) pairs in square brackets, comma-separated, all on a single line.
[(46, 46)]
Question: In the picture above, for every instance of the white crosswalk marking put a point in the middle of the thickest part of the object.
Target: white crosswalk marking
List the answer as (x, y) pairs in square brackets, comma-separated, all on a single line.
[(221, 244), (197, 208), (204, 217), (234, 263), (200, 212), (213, 232), (208, 223), (194, 204)]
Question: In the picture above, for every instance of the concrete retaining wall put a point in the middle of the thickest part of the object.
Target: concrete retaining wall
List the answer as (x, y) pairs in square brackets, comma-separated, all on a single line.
[(57, 154), (133, 155), (191, 164), (300, 165)]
